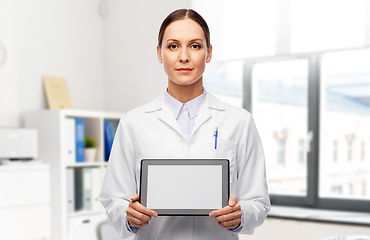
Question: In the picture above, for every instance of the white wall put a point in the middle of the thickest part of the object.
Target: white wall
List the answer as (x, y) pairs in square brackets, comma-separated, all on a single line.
[(133, 74), (58, 38), (108, 64)]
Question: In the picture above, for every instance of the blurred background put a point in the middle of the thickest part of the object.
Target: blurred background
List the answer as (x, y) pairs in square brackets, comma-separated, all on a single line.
[(301, 67)]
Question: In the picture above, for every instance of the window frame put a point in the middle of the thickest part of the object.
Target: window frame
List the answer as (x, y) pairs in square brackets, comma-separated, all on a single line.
[(312, 199)]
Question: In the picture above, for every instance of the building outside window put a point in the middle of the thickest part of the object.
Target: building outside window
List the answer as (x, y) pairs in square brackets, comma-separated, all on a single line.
[(335, 151), (281, 151), (301, 152)]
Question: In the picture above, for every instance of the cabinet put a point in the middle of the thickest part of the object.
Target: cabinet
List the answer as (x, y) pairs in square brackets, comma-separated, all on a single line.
[(24, 202), (54, 141)]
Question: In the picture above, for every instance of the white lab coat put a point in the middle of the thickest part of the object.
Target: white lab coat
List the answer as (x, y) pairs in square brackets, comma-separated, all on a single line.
[(151, 131)]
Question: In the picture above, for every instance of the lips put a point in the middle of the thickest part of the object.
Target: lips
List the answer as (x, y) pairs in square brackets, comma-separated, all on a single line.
[(184, 70)]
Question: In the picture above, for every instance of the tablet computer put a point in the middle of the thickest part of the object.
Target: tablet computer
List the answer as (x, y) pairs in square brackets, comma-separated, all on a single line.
[(184, 187)]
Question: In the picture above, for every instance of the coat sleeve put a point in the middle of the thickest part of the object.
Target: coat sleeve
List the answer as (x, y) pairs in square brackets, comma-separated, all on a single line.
[(119, 182), (251, 186)]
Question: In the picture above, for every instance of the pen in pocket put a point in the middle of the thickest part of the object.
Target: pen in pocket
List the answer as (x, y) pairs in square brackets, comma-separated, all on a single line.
[(216, 135)]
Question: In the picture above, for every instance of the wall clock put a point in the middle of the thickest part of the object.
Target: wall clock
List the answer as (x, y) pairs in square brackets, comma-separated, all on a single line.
[(2, 54)]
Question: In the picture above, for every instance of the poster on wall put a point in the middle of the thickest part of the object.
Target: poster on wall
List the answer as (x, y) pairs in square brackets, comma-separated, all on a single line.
[(56, 92)]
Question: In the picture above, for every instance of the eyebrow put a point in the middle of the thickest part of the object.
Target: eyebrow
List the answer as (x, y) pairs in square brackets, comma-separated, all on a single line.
[(192, 40)]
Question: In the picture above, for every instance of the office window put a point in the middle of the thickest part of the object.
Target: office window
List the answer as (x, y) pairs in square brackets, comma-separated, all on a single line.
[(318, 25), (279, 107), (349, 150), (345, 114), (363, 150), (239, 28), (225, 81), (281, 151), (301, 152), (335, 151), (336, 190)]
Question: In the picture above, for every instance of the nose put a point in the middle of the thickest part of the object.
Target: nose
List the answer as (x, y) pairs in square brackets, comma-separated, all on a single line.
[(184, 57)]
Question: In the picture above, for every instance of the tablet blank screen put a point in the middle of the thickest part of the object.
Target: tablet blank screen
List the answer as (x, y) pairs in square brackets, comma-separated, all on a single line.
[(184, 187)]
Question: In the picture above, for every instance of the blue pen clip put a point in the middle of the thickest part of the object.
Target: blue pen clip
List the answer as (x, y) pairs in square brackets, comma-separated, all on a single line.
[(216, 135)]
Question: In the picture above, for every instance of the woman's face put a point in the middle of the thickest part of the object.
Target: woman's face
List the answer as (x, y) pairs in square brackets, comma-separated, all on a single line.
[(184, 52)]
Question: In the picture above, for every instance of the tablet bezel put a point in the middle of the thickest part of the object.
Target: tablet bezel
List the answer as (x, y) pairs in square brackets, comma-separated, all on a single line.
[(224, 163)]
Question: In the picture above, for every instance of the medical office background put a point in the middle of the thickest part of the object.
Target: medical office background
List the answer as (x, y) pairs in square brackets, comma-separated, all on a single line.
[(302, 67)]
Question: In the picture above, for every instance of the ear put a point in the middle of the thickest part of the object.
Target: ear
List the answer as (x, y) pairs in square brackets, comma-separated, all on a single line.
[(159, 54), (209, 54)]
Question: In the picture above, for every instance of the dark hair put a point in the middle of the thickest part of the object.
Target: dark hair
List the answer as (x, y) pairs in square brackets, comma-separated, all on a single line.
[(182, 14)]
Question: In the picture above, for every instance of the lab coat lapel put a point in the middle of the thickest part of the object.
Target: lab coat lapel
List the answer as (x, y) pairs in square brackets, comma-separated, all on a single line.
[(203, 115), (167, 117), (205, 111)]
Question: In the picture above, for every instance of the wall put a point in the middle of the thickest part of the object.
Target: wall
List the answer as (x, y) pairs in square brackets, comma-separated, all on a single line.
[(108, 63), (58, 38), (133, 74)]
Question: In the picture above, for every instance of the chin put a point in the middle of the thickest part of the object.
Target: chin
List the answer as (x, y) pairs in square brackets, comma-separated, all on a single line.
[(185, 82)]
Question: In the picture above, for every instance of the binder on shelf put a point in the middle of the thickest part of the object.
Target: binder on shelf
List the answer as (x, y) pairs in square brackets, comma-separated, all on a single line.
[(95, 189), (78, 174), (83, 184), (87, 188), (80, 140), (70, 139), (70, 190), (109, 132)]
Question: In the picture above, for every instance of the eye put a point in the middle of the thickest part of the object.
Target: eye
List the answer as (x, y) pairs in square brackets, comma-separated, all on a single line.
[(172, 47), (195, 46)]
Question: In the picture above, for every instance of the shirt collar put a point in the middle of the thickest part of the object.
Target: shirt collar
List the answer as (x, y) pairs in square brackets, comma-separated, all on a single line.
[(193, 105)]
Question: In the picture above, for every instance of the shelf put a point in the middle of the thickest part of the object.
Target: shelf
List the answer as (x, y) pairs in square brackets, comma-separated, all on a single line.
[(84, 164), (57, 148)]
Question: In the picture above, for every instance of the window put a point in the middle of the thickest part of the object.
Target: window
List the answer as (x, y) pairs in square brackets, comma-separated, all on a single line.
[(313, 30), (301, 152), (281, 151), (224, 80), (336, 190), (345, 115), (349, 150), (335, 151), (311, 109), (363, 150), (279, 107)]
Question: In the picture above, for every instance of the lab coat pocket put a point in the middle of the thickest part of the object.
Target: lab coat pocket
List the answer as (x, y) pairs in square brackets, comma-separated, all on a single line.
[(224, 149)]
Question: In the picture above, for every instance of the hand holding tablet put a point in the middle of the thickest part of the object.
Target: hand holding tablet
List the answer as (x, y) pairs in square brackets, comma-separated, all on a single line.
[(137, 214)]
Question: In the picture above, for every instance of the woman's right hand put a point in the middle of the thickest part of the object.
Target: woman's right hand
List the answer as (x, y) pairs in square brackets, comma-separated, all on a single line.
[(137, 214)]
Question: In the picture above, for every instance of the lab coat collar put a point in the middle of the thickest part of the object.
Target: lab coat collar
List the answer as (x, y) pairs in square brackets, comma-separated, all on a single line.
[(211, 101), (166, 115)]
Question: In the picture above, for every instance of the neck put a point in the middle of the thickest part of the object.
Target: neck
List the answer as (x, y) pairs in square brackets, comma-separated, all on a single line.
[(185, 93)]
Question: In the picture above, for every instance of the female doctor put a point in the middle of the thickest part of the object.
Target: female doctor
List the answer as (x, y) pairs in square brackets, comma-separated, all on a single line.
[(181, 124)]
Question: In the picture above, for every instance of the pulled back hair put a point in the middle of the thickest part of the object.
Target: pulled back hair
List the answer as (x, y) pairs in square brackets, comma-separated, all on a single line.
[(183, 14)]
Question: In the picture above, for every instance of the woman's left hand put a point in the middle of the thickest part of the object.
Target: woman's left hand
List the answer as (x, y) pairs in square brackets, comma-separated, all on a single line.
[(228, 217)]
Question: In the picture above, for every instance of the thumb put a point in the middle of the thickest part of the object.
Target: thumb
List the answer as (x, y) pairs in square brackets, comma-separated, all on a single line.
[(232, 200), (135, 197)]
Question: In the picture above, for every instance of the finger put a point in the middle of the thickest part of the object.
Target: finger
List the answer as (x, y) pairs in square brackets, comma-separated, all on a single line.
[(225, 210), (140, 208), (135, 197), (136, 222), (228, 217), (232, 200), (132, 213), (228, 226)]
